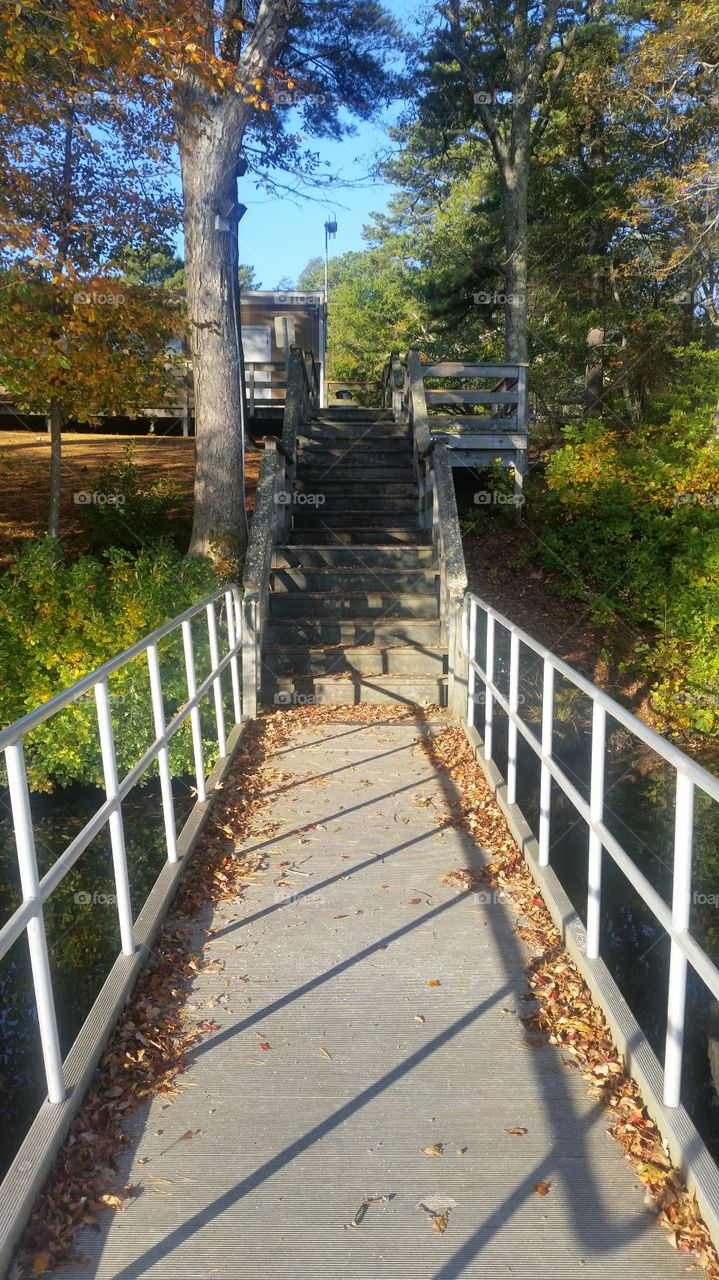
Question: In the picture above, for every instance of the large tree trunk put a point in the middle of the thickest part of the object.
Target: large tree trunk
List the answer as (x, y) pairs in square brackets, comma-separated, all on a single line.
[(55, 425), (596, 249), (594, 373), (516, 184), (210, 187)]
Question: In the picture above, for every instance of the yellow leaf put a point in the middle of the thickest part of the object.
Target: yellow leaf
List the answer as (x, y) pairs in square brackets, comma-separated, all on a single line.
[(435, 1150), (41, 1263), (110, 1201)]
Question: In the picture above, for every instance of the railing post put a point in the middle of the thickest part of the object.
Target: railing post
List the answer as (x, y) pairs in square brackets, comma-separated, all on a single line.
[(217, 682), (596, 813), (511, 726), (545, 784), (488, 697), (195, 720), (117, 830), (250, 665), (471, 658), (36, 938), (232, 646), (681, 909), (163, 755)]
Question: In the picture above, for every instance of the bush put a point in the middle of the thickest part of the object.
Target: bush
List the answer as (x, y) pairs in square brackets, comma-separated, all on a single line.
[(636, 521), (59, 621), (137, 510)]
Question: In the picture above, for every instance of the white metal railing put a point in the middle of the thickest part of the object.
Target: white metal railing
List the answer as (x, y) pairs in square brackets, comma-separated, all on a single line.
[(690, 776), (29, 916)]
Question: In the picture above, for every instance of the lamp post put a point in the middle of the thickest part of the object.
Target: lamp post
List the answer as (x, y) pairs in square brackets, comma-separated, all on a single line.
[(330, 230)]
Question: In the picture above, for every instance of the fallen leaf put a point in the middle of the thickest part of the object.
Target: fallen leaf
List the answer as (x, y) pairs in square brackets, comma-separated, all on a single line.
[(434, 982), (542, 1188), (41, 1262), (434, 1150), (418, 1017), (413, 902), (519, 1130), (110, 1201), (439, 1224), (189, 1133)]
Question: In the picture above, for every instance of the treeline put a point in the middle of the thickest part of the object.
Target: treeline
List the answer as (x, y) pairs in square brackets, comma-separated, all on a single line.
[(607, 121)]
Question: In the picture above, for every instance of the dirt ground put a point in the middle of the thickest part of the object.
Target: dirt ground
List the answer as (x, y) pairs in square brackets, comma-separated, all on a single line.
[(504, 568), (25, 477)]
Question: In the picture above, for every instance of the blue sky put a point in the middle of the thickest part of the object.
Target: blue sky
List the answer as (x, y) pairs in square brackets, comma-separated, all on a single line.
[(278, 235)]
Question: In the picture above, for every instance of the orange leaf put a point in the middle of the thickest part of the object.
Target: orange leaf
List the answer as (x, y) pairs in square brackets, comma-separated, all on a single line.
[(542, 1188), (41, 1263), (434, 982)]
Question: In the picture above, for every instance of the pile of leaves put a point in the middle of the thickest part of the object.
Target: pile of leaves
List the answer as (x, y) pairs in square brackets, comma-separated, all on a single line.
[(564, 1011)]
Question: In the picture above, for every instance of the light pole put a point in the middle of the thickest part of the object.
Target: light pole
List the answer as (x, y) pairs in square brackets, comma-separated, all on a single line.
[(330, 230)]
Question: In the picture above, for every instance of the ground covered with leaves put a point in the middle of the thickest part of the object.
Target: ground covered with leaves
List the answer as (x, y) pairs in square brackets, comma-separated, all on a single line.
[(148, 1050)]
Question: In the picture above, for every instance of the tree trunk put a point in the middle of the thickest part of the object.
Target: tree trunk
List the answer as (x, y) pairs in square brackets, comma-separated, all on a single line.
[(594, 373), (516, 185), (55, 425), (210, 187)]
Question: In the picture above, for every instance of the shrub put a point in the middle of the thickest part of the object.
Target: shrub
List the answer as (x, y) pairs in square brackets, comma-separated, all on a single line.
[(136, 511), (637, 523), (59, 621)]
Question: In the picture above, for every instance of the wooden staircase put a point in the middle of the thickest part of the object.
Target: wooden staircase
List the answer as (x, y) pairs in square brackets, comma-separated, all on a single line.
[(353, 607)]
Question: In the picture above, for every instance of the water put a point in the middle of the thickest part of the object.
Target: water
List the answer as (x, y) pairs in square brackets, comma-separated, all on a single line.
[(639, 811), (82, 931)]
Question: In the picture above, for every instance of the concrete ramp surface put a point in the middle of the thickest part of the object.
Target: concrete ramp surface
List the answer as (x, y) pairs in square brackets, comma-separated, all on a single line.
[(379, 1022)]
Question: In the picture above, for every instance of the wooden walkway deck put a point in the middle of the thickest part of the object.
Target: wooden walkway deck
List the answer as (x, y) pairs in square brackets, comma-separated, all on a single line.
[(369, 1065)]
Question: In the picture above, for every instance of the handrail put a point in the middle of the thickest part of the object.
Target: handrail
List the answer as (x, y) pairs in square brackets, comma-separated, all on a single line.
[(689, 776), (436, 510), (272, 517), (19, 728), (417, 404), (29, 916)]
